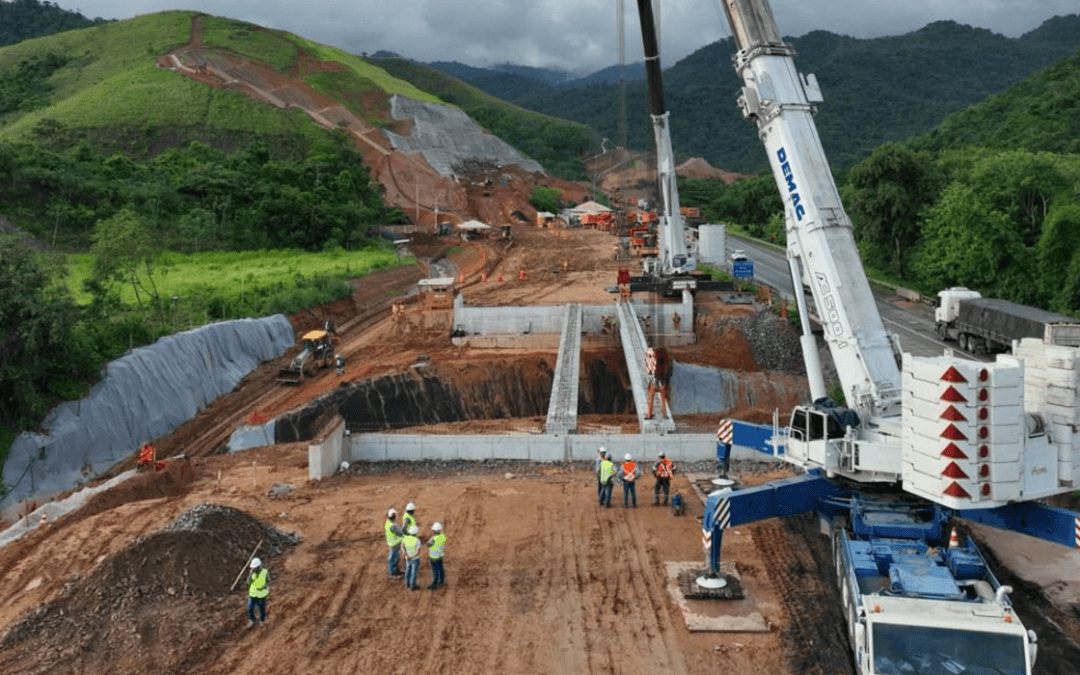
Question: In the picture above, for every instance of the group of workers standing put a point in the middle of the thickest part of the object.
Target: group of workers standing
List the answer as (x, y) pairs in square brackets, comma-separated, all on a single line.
[(405, 539), (628, 473)]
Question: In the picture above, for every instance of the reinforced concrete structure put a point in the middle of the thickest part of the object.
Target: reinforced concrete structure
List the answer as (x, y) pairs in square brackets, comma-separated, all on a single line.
[(570, 325)]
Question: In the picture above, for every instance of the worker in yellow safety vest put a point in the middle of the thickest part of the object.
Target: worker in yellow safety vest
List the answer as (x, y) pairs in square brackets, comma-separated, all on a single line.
[(607, 479), (663, 470), (630, 473), (409, 519), (410, 545), (436, 551), (393, 540), (258, 590)]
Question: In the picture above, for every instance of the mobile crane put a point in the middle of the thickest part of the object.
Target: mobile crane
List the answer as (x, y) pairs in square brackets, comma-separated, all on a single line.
[(924, 439), (673, 264)]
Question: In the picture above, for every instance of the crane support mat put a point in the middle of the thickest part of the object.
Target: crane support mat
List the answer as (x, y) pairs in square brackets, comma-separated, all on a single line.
[(732, 615)]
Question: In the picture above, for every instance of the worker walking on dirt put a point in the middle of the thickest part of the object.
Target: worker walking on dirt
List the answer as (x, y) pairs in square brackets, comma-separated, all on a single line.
[(410, 544), (663, 470), (658, 366), (258, 590), (600, 454), (393, 540), (339, 361), (607, 479), (630, 473), (436, 549), (409, 519)]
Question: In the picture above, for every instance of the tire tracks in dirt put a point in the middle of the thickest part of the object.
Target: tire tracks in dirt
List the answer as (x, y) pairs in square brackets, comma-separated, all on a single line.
[(800, 568)]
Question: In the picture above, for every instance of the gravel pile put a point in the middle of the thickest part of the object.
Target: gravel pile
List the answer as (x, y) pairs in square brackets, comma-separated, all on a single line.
[(775, 343), (225, 519)]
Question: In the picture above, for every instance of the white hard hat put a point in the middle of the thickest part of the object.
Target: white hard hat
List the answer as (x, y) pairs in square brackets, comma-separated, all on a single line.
[(650, 351), (413, 529), (603, 449), (410, 506), (255, 562), (628, 457), (437, 527), (391, 513), (662, 455)]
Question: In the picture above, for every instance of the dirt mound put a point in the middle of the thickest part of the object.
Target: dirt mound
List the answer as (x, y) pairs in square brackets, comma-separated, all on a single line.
[(172, 481), (151, 602), (696, 167)]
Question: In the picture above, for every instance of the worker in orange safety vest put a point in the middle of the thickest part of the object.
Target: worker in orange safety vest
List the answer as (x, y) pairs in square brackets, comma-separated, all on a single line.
[(663, 470), (629, 475)]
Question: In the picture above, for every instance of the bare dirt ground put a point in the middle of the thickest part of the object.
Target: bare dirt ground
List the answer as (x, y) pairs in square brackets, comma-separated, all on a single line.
[(539, 578)]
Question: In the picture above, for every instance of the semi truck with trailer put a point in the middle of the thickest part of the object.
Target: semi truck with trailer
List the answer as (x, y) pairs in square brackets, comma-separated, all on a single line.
[(921, 441), (987, 325)]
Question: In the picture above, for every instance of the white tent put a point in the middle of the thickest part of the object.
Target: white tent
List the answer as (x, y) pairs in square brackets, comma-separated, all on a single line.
[(590, 207), (473, 225)]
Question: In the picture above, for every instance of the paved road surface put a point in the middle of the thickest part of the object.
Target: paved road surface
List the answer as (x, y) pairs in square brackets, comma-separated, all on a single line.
[(913, 324)]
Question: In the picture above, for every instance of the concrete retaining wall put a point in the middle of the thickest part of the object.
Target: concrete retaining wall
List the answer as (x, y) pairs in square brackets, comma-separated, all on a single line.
[(507, 326), (680, 447), (326, 453)]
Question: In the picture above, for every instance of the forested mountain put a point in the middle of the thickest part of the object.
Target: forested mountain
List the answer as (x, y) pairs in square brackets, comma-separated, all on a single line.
[(875, 90), (512, 82), (24, 19)]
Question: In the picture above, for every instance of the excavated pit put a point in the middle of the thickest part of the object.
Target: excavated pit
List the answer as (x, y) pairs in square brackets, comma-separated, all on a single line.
[(509, 389)]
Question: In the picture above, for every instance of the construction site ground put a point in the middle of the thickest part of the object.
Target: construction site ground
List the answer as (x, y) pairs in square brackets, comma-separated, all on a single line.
[(540, 579)]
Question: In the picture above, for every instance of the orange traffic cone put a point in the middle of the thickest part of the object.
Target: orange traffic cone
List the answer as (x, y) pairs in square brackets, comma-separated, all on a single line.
[(522, 276), (483, 277), (498, 278), (954, 540)]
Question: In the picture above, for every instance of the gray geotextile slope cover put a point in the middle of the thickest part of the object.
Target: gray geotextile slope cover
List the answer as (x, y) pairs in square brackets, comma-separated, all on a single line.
[(145, 394), (446, 136)]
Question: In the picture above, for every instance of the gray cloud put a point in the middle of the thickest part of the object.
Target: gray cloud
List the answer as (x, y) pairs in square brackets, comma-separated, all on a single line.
[(577, 35)]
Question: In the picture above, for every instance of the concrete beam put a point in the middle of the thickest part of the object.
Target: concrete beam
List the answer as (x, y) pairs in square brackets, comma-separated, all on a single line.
[(634, 346), (563, 406)]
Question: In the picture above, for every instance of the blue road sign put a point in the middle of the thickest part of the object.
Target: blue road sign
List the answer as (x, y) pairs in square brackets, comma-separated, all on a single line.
[(743, 269)]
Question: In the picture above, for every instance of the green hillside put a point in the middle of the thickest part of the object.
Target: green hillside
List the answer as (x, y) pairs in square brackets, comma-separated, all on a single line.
[(111, 93), (1042, 113), (876, 90)]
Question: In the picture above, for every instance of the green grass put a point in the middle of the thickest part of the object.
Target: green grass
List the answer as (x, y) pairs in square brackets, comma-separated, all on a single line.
[(106, 50), (260, 44), (386, 81), (231, 273)]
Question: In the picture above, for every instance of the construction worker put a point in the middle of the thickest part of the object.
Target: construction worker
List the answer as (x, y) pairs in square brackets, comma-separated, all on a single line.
[(339, 360), (393, 541), (663, 470), (410, 544), (409, 519), (607, 479), (658, 365), (258, 589), (630, 473), (436, 549), (596, 470)]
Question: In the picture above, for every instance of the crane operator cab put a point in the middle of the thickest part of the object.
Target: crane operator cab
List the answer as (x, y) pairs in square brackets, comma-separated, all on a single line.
[(811, 429)]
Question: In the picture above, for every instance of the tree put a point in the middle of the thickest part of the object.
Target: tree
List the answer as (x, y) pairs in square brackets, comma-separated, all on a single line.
[(1058, 250), (124, 252), (39, 357), (545, 198), (966, 243), (887, 193)]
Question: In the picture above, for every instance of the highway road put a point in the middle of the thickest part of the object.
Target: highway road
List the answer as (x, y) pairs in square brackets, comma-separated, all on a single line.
[(911, 322)]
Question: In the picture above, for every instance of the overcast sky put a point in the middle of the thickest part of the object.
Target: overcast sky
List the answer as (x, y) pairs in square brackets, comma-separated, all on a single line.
[(578, 35)]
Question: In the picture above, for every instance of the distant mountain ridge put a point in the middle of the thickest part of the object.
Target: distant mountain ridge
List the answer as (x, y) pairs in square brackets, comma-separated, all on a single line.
[(876, 90)]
